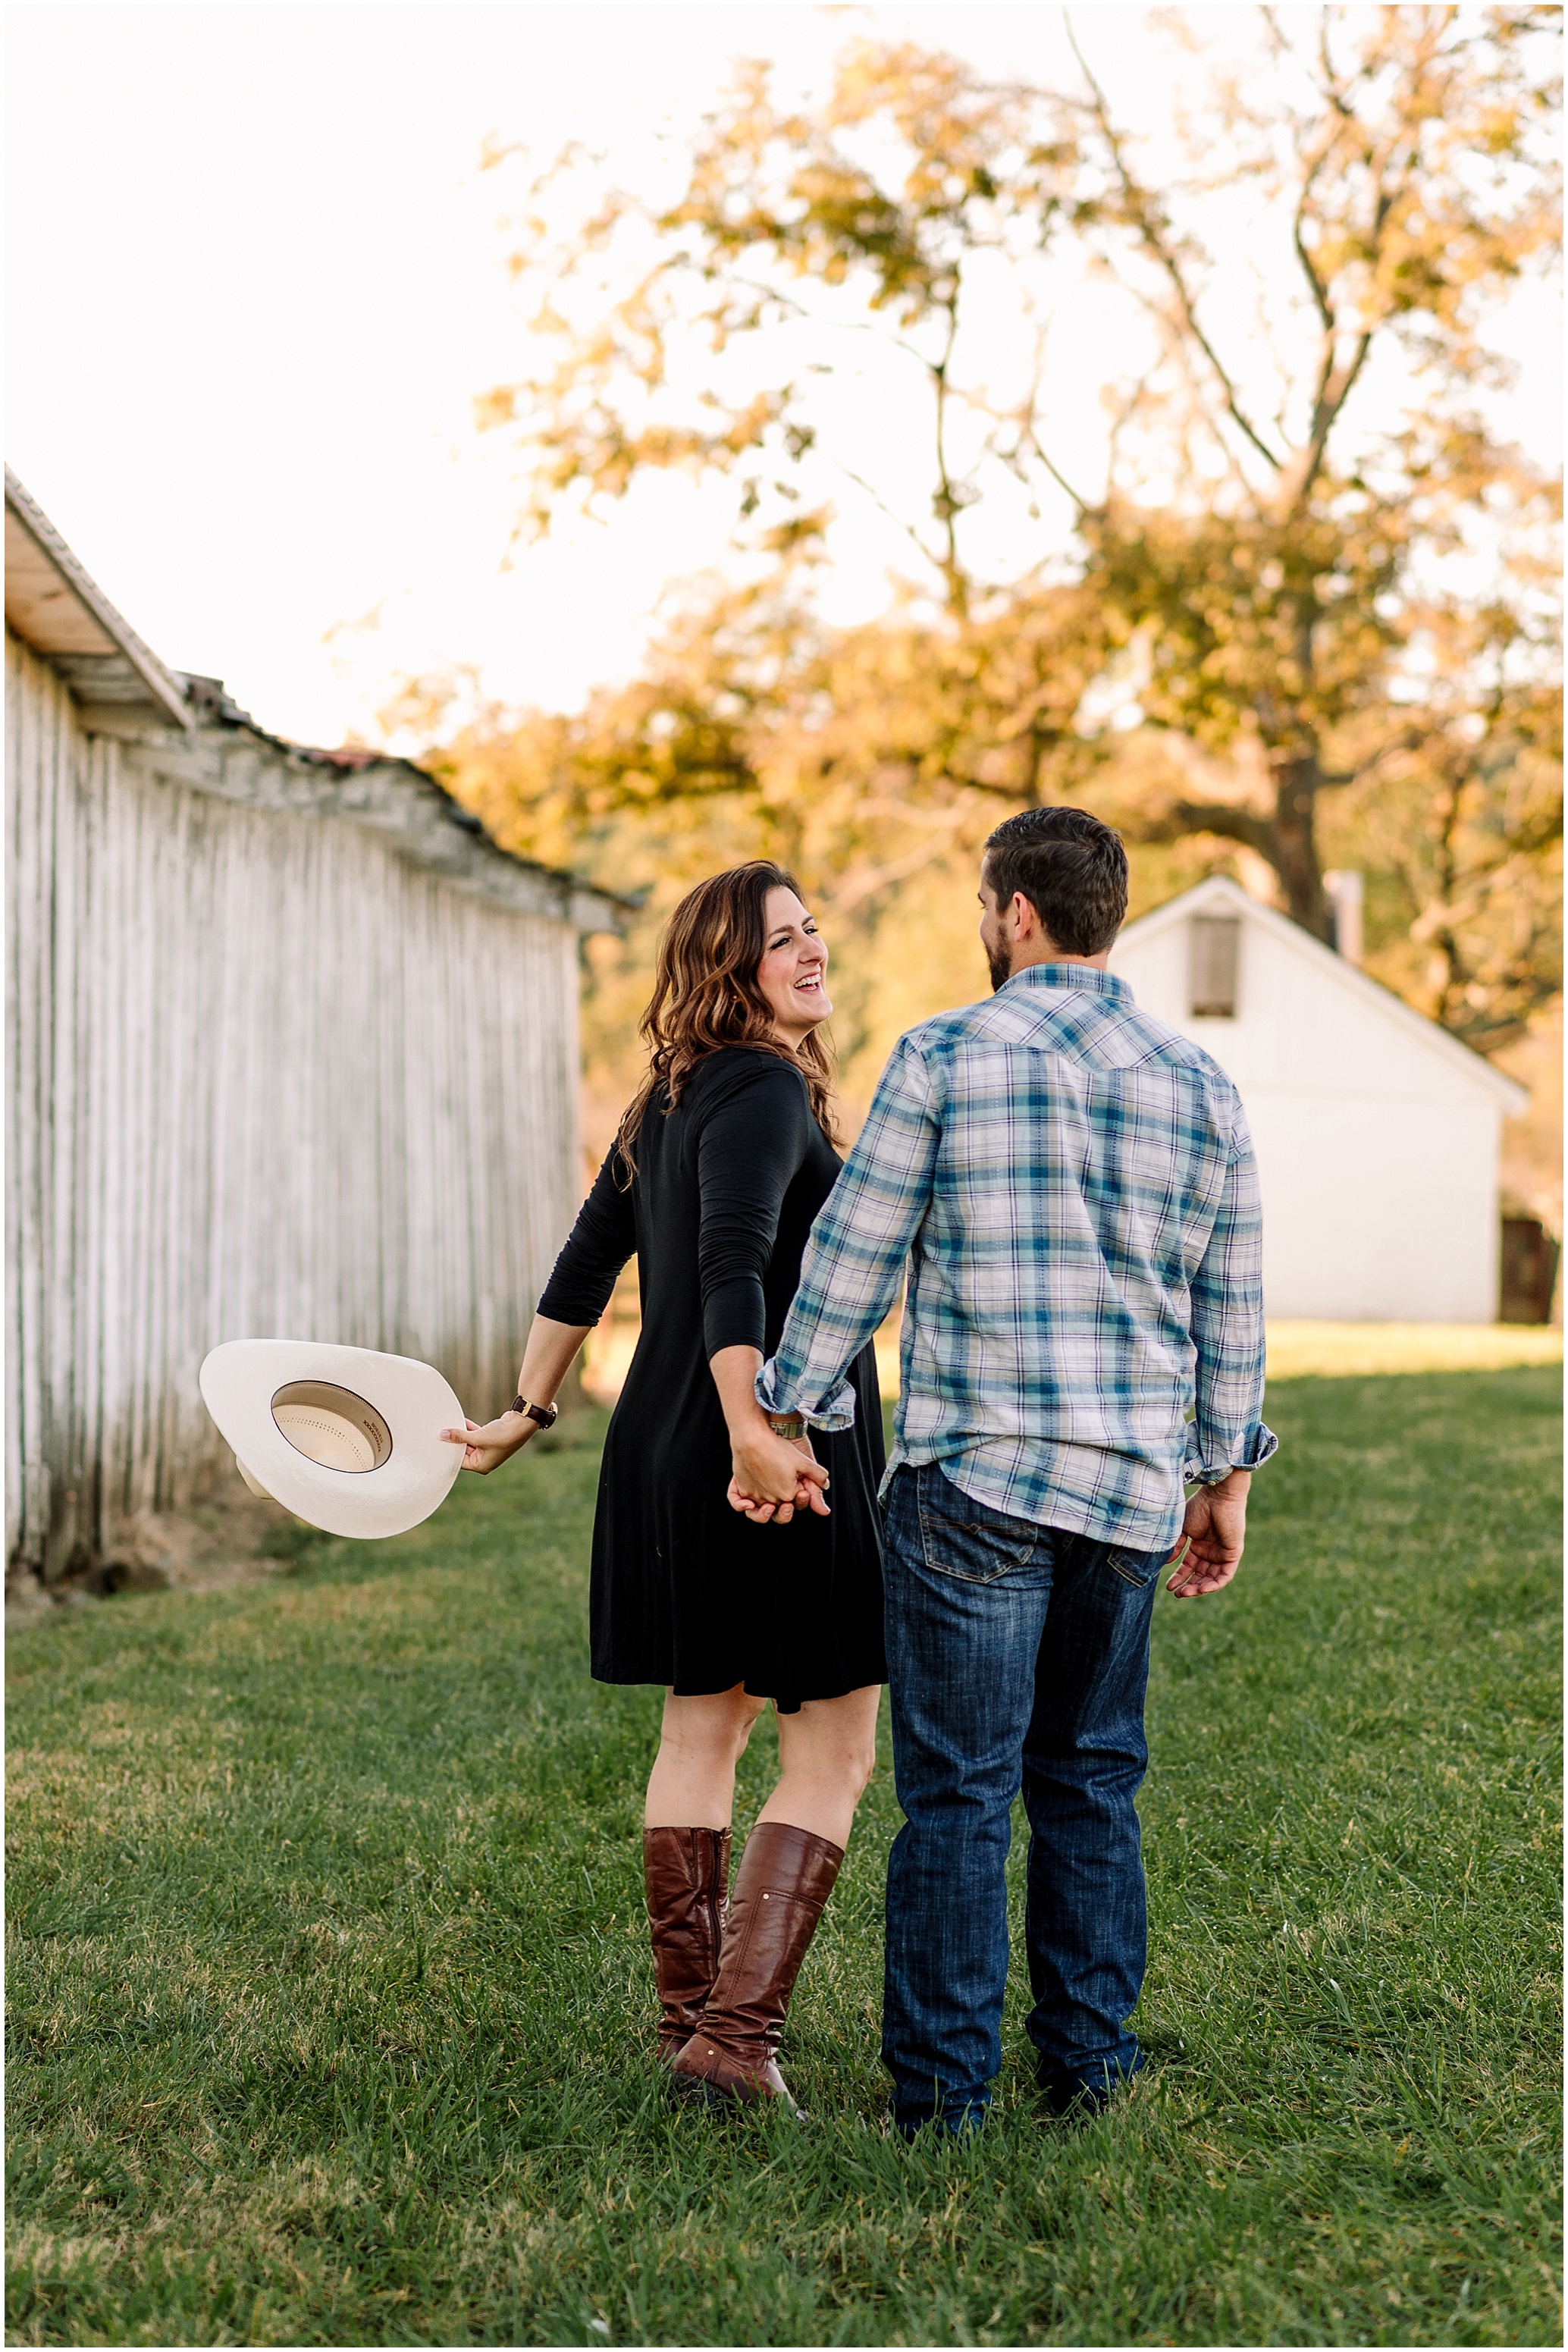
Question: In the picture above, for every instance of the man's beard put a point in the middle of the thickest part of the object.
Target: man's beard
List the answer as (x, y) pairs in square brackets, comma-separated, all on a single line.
[(1001, 963)]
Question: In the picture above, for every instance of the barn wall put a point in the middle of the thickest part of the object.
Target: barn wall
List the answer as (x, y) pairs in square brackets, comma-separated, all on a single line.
[(264, 1079), (1377, 1157), (1377, 1211)]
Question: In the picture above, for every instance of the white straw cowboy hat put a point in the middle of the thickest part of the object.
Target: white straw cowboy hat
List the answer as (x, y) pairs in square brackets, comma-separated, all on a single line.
[(343, 1437)]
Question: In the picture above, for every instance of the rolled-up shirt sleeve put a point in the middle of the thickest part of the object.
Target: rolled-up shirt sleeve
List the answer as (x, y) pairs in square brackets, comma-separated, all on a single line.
[(1227, 1431), (854, 1261)]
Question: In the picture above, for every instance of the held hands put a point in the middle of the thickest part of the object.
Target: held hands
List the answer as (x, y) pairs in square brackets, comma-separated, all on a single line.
[(485, 1449), (771, 1480), (1212, 1537), (775, 1477)]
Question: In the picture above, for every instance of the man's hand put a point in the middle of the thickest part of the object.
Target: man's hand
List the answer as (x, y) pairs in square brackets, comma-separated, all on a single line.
[(485, 1449), (771, 1481), (1212, 1534)]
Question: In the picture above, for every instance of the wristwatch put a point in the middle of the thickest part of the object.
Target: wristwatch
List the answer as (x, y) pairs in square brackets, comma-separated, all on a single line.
[(546, 1415), (787, 1424)]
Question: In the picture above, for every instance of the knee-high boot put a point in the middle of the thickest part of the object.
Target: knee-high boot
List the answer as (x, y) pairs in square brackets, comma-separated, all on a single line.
[(685, 1873), (781, 1883)]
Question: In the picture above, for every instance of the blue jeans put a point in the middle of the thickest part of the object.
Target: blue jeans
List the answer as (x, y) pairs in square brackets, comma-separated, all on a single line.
[(1017, 1655)]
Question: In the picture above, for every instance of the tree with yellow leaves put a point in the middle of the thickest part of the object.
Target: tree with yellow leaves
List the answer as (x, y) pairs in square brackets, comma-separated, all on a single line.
[(1296, 486)]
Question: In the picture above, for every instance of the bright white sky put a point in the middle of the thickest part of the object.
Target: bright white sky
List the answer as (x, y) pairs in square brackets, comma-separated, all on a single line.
[(256, 278)]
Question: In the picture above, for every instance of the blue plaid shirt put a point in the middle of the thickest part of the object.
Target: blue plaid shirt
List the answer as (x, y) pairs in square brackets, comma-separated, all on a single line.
[(1073, 1187)]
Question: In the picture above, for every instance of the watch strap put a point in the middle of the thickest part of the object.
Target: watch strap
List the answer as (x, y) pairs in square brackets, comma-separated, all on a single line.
[(545, 1415)]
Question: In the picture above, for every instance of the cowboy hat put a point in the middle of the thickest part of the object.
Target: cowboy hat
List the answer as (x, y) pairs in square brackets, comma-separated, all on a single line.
[(343, 1437)]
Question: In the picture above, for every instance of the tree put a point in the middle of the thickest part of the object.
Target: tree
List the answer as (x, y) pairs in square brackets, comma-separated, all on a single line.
[(867, 759), (1461, 813), (1407, 163), (1262, 527)]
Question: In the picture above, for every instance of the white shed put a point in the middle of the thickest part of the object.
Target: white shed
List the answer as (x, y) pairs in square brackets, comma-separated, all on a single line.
[(290, 1051), (1378, 1134)]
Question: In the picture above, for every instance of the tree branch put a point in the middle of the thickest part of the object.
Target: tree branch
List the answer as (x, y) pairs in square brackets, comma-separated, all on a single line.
[(878, 501), (946, 502), (1141, 211), (1183, 818)]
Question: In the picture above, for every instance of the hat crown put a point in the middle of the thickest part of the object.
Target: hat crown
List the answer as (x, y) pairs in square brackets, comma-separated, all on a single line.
[(331, 1426)]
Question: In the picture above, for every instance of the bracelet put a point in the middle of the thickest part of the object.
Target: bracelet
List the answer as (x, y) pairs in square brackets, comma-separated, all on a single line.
[(787, 1424), (546, 1415)]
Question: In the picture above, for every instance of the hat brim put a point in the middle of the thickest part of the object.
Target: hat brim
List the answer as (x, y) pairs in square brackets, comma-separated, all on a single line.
[(240, 1381)]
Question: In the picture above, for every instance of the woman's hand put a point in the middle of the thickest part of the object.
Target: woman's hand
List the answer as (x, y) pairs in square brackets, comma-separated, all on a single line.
[(767, 1485), (485, 1449), (771, 1480), (546, 1360)]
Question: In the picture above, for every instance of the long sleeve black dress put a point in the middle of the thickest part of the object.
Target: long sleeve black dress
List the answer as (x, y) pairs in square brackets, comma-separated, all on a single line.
[(685, 1592)]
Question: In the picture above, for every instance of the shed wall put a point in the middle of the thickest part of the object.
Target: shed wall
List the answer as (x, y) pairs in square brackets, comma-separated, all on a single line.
[(1377, 1159), (264, 1079)]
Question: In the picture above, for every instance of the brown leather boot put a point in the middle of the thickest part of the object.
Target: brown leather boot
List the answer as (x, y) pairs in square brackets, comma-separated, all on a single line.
[(785, 1878), (685, 1873)]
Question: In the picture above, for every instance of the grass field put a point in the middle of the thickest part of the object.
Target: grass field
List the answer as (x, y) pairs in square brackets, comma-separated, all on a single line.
[(330, 2007)]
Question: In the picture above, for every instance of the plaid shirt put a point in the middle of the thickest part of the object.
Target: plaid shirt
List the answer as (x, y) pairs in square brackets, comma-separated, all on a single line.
[(1073, 1186)]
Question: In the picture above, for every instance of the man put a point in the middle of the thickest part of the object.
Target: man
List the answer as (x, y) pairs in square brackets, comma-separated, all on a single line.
[(1072, 1186)]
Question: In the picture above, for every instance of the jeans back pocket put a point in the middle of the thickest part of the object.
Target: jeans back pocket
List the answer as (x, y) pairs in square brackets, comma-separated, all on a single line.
[(962, 1537), (1132, 1567)]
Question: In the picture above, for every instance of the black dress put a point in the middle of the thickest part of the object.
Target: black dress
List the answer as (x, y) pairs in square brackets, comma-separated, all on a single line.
[(685, 1592)]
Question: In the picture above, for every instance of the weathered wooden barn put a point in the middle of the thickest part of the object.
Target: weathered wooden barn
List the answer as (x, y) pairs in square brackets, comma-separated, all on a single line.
[(1378, 1134), (290, 1051)]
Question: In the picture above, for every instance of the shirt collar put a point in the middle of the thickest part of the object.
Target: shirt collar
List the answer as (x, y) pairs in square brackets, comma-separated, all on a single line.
[(1070, 975)]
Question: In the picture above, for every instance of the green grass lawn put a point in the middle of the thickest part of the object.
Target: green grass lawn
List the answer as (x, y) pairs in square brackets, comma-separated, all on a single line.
[(330, 2008)]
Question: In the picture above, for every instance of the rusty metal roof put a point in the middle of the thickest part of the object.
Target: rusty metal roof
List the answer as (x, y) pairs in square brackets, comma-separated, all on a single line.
[(185, 727)]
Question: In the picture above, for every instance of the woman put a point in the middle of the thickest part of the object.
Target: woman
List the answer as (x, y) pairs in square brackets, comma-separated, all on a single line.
[(773, 1591)]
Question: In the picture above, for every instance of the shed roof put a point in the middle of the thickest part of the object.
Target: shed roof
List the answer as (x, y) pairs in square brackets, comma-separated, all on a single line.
[(53, 605), (181, 727), (1220, 896)]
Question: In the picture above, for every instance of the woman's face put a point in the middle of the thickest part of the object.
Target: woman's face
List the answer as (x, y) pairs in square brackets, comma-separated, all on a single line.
[(792, 974)]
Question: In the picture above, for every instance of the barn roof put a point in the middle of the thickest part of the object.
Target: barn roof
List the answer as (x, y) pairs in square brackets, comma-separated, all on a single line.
[(1219, 896), (183, 727), (52, 606)]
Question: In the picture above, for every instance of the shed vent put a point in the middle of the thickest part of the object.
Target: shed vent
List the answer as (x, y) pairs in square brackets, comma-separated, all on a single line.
[(1216, 952)]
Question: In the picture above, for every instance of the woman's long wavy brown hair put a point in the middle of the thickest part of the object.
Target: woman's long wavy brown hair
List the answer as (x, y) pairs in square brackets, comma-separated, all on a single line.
[(706, 996)]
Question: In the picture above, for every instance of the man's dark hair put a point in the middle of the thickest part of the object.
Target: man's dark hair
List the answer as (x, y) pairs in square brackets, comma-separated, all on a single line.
[(1071, 868)]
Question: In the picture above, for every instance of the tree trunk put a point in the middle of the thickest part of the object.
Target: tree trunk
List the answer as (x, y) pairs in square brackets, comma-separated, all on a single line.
[(1295, 849)]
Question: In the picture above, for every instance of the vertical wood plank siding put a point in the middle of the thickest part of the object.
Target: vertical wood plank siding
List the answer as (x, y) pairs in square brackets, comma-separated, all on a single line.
[(264, 1079)]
